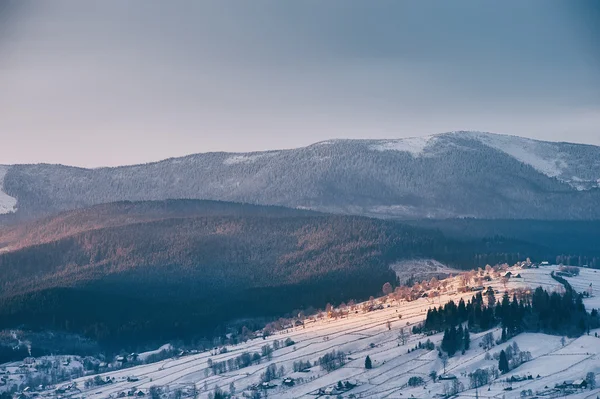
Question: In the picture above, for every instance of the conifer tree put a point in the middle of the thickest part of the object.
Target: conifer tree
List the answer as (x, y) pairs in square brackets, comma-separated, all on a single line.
[(503, 362)]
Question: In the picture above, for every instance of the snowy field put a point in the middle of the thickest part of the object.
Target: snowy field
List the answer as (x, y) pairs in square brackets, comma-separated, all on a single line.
[(376, 334)]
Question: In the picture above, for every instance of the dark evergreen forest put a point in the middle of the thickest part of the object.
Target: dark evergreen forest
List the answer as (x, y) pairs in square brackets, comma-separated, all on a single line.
[(153, 271)]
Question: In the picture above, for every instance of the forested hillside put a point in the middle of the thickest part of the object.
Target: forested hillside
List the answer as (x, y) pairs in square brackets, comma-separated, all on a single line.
[(557, 241), (179, 268), (158, 270)]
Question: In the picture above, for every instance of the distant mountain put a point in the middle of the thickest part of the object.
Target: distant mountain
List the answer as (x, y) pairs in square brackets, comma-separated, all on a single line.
[(459, 174)]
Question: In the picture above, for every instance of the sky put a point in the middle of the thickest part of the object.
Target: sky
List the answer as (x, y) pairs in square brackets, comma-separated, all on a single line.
[(113, 82)]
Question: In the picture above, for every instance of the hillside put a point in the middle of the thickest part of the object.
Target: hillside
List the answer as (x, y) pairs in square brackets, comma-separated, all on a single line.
[(153, 270), (179, 268), (377, 334), (460, 174)]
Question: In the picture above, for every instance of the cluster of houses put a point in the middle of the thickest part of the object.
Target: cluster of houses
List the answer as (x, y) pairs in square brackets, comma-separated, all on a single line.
[(510, 274), (132, 393), (572, 384), (519, 378), (341, 387), (68, 388), (564, 388)]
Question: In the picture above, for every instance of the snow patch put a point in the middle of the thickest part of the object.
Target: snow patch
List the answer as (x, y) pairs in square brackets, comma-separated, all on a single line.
[(413, 145), (247, 158), (543, 157), (145, 355), (8, 204)]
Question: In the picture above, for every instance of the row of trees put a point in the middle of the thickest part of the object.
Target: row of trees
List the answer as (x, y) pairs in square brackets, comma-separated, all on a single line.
[(246, 359)]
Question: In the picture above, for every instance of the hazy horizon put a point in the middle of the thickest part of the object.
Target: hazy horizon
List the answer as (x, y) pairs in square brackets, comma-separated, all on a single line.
[(119, 83)]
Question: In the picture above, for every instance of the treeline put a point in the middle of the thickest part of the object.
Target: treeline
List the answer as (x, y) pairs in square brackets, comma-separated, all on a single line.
[(246, 358), (572, 243), (550, 313)]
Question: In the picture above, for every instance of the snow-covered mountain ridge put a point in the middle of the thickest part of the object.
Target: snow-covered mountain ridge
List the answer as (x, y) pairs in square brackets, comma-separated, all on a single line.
[(565, 161), (457, 174)]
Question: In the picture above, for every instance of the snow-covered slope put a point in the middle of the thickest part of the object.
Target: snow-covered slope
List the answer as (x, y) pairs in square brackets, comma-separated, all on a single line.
[(565, 161), (376, 334), (575, 164), (458, 174), (7, 203)]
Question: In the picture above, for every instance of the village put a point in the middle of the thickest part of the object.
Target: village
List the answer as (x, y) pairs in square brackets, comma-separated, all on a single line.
[(324, 354)]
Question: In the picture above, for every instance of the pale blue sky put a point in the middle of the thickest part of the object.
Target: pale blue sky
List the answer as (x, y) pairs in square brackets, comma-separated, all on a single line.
[(114, 82)]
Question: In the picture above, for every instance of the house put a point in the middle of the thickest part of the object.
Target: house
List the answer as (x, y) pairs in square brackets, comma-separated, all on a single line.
[(140, 393), (329, 391), (518, 275), (289, 382), (446, 377), (580, 384), (507, 275), (517, 378), (267, 385), (565, 384)]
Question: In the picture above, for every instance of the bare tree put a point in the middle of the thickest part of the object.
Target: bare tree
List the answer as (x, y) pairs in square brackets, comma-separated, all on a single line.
[(403, 336), (590, 378), (479, 378), (444, 359), (487, 341), (387, 289), (155, 392)]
